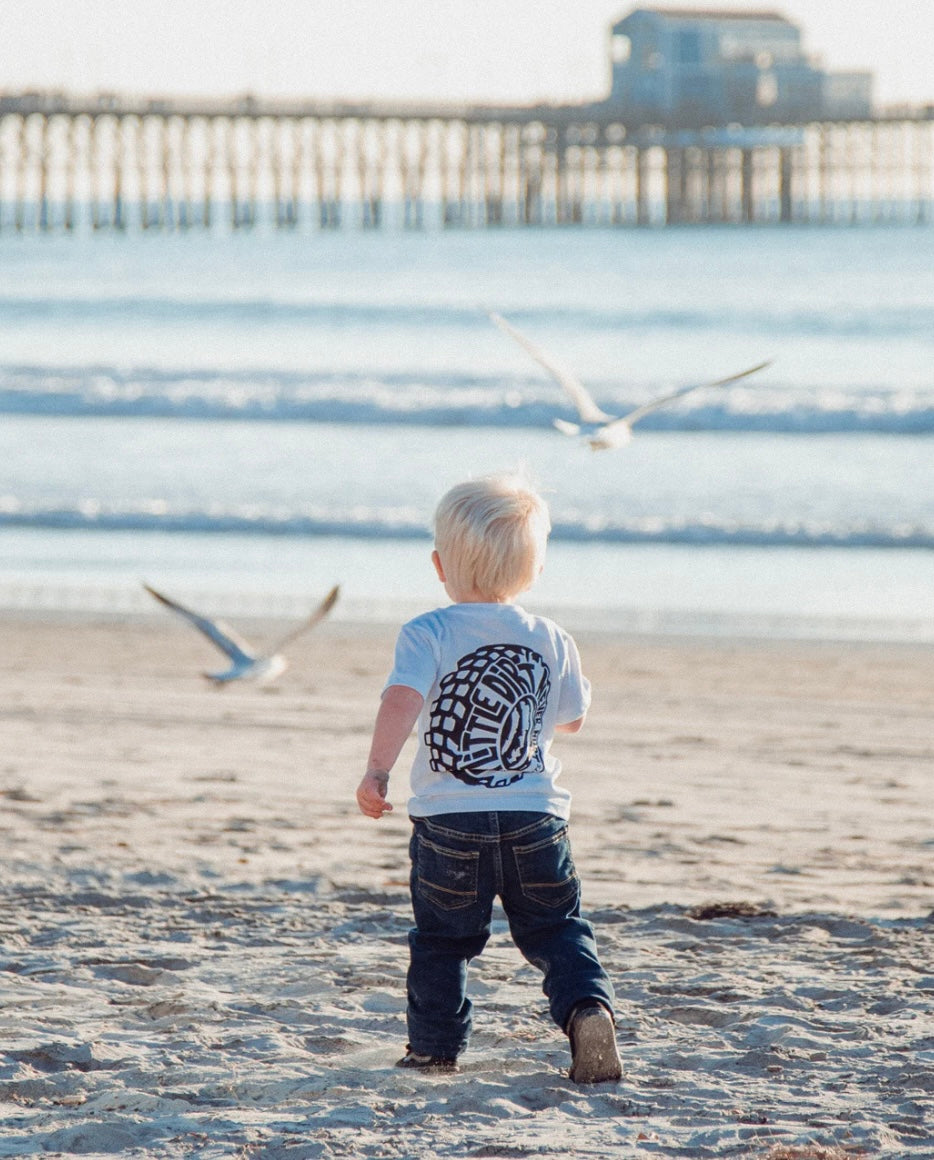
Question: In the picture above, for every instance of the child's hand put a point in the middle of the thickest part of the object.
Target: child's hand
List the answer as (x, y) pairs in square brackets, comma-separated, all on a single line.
[(371, 794)]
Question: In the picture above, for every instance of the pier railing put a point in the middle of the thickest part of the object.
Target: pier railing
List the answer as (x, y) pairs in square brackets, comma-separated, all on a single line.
[(71, 162)]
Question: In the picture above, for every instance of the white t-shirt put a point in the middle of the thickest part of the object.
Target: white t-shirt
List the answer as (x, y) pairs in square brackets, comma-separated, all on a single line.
[(496, 681)]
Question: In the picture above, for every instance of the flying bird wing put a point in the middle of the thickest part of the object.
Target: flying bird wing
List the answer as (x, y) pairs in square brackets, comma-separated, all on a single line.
[(316, 617), (663, 400), (217, 632), (575, 390)]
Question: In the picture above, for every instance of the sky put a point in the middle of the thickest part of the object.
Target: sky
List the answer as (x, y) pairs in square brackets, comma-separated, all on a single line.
[(510, 51)]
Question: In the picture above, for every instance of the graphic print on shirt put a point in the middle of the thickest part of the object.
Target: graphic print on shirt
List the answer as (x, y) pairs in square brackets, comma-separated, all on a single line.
[(485, 723)]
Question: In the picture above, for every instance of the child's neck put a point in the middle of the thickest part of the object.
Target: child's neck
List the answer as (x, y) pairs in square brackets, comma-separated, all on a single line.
[(480, 598)]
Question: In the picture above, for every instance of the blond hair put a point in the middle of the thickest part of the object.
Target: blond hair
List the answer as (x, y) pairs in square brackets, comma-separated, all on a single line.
[(490, 534)]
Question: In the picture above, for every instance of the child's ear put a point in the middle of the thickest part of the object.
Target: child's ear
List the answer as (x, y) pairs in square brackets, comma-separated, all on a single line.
[(436, 560)]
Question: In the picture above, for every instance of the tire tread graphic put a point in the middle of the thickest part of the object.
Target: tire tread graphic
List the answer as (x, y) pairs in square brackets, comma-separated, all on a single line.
[(485, 724)]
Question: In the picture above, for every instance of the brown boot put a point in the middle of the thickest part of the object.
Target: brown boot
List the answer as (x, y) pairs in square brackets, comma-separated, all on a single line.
[(594, 1057), (412, 1059)]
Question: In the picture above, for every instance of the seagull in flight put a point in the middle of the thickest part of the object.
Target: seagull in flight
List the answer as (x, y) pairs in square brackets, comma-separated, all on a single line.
[(601, 430), (246, 663)]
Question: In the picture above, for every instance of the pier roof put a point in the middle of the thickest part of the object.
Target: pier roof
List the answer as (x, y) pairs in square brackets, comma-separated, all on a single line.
[(713, 14)]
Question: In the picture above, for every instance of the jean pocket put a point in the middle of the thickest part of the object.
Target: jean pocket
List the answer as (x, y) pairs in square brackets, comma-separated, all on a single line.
[(446, 878), (546, 871)]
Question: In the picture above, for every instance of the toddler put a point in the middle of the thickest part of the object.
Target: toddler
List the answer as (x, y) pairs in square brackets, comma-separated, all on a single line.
[(489, 685)]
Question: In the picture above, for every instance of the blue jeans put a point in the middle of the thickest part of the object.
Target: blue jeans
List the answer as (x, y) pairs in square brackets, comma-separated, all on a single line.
[(460, 863)]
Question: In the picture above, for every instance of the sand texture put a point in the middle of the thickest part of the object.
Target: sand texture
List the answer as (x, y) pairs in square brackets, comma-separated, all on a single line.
[(203, 943)]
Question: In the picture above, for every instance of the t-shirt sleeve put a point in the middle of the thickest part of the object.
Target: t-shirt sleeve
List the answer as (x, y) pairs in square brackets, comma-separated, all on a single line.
[(574, 698), (416, 660)]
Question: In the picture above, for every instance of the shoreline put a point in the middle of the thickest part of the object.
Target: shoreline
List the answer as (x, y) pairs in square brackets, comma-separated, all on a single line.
[(266, 611), (674, 590)]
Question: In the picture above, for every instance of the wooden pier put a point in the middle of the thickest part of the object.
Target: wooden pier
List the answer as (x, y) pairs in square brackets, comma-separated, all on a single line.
[(103, 162)]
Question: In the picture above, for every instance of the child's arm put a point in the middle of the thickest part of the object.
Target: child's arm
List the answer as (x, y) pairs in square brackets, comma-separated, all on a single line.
[(571, 726), (398, 712)]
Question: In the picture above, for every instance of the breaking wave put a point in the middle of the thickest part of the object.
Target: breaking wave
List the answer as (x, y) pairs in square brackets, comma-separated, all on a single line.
[(401, 523), (445, 399)]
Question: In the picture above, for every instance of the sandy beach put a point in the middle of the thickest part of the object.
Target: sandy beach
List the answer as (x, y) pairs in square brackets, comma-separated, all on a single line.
[(203, 942)]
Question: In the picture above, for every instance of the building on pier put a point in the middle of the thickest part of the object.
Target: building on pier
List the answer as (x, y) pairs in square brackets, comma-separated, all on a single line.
[(689, 67)]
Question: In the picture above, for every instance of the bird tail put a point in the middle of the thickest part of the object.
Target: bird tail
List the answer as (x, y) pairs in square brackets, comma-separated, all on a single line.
[(567, 428)]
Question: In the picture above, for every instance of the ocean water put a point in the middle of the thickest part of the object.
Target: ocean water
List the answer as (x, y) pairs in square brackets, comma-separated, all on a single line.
[(244, 420)]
